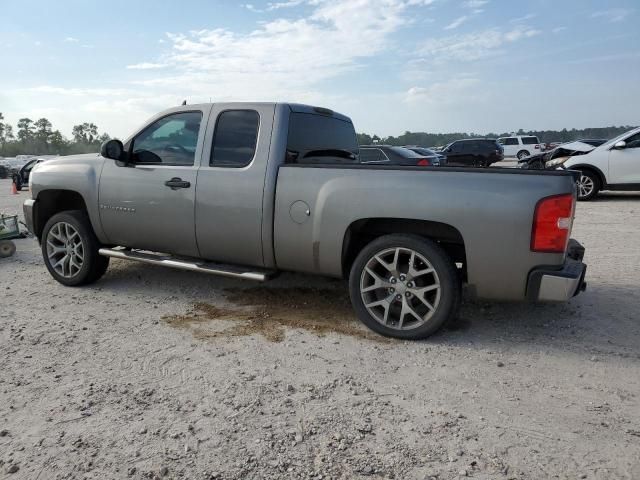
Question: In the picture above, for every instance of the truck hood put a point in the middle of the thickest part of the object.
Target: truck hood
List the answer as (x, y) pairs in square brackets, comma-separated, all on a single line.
[(74, 159)]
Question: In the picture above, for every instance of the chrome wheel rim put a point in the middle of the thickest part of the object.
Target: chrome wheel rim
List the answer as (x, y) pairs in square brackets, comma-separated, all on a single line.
[(65, 250), (585, 186), (400, 288)]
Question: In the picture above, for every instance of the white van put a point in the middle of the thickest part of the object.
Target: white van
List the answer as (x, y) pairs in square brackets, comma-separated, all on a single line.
[(520, 146)]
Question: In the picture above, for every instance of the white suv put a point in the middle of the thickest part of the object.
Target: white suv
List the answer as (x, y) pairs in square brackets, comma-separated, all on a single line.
[(520, 146), (614, 165)]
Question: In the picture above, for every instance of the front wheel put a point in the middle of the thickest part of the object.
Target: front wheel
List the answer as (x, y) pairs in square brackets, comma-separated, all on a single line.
[(404, 286), (588, 185), (70, 249)]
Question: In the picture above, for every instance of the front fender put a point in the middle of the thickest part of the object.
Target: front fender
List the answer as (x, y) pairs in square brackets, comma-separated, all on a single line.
[(78, 175)]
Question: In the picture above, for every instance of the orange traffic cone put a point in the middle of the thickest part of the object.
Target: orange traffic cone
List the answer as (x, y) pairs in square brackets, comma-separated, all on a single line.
[(14, 188)]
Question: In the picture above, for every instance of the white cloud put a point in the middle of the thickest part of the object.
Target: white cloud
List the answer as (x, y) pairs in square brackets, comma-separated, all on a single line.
[(252, 8), (613, 15), (76, 92), (559, 29), (524, 18), (146, 66), (441, 92), (71, 40), (282, 58), (456, 23), (475, 4), (288, 4), (473, 46)]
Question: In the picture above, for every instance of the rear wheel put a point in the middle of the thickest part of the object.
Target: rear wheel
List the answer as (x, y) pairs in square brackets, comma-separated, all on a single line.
[(522, 154), (70, 249), (588, 185), (404, 286)]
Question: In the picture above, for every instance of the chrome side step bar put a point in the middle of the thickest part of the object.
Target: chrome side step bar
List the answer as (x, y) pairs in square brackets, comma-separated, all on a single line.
[(193, 265)]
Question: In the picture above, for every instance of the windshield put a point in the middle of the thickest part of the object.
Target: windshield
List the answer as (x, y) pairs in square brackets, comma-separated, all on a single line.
[(619, 137)]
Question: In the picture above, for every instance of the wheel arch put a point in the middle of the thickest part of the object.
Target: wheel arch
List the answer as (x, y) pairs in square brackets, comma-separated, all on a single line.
[(594, 169), (363, 231), (53, 201)]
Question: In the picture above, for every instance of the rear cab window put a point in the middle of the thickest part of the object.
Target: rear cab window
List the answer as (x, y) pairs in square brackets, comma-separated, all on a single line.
[(508, 141), (530, 140), (320, 139)]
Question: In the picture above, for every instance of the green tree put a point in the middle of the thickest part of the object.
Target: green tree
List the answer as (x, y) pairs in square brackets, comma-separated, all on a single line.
[(25, 129), (43, 133), (58, 143), (85, 133)]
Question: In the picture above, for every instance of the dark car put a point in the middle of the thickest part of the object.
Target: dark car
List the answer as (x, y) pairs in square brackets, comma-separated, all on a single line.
[(474, 152), (433, 156), (390, 155), (21, 177), (4, 171)]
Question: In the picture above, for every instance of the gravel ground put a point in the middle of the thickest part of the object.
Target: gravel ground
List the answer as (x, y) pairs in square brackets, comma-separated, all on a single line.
[(155, 373)]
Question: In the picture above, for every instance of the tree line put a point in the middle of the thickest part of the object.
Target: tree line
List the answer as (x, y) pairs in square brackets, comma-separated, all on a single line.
[(440, 139), (39, 138)]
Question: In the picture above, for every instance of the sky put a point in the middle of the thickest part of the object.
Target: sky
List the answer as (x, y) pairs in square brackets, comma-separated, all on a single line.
[(391, 65)]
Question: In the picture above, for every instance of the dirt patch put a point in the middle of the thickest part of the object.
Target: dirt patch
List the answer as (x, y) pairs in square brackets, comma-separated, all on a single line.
[(270, 311)]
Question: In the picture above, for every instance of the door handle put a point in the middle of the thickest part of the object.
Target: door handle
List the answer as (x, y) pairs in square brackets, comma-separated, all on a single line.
[(176, 182)]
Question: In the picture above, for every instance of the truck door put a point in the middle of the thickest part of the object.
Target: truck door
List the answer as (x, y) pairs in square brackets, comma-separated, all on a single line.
[(624, 163), (229, 197), (149, 202)]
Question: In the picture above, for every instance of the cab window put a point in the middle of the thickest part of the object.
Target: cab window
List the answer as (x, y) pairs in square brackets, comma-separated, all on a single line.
[(235, 139), (171, 140)]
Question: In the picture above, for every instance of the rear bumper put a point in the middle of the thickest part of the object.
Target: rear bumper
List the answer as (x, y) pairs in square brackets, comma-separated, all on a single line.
[(552, 285), (28, 207)]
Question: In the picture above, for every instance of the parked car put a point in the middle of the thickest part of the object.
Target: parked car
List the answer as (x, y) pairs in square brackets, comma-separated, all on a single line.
[(280, 188), (520, 146), (5, 169), (552, 158), (391, 155), (434, 157), (21, 177), (474, 152), (614, 165)]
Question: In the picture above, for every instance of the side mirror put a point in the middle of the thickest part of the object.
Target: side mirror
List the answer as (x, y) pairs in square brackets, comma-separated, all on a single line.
[(620, 145), (112, 149)]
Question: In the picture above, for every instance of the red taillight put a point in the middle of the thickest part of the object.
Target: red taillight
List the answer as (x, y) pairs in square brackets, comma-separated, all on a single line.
[(552, 224), (424, 163)]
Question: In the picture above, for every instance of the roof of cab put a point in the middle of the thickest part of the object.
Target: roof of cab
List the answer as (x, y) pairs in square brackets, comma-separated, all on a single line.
[(301, 108)]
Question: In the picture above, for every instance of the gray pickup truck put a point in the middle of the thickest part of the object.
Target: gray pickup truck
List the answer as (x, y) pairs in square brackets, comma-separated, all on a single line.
[(250, 189)]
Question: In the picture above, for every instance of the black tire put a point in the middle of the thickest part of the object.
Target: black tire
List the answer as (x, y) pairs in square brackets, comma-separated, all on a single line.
[(445, 270), (585, 177), (522, 154), (93, 266), (16, 180), (7, 248)]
